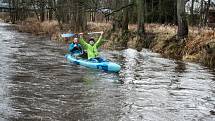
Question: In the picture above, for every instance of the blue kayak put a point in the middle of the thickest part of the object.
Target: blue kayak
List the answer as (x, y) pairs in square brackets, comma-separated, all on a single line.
[(106, 66)]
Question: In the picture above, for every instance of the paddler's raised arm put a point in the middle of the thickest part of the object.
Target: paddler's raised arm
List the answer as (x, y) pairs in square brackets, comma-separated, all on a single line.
[(98, 43), (82, 41)]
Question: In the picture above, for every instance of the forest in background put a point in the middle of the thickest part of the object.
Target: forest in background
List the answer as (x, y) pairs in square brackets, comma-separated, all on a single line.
[(76, 13)]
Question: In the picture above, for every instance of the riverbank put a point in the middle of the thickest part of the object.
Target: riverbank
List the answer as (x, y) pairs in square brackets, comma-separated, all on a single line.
[(198, 47)]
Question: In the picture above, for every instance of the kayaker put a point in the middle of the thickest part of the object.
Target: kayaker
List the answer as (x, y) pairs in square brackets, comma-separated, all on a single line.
[(75, 47), (91, 47)]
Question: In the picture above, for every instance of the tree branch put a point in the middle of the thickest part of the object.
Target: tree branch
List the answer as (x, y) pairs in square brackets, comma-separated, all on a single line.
[(118, 10)]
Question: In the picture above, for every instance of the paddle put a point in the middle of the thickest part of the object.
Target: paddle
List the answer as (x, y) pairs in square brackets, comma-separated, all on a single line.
[(72, 34), (94, 32), (67, 35)]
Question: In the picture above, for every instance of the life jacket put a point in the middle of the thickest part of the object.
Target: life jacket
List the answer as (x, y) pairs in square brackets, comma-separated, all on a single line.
[(75, 48), (92, 51)]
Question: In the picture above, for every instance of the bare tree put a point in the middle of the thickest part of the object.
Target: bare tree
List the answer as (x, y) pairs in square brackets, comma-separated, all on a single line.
[(191, 12), (140, 18), (182, 22), (206, 11)]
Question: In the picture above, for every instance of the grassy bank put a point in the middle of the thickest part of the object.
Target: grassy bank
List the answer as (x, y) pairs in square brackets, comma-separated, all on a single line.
[(34, 26), (198, 47)]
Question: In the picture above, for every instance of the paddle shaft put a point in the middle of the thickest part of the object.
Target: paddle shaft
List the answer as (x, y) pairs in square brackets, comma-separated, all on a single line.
[(94, 33)]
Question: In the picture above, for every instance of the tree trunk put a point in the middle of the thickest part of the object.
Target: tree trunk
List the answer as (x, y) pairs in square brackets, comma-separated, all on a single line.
[(201, 12), (206, 12), (116, 17), (93, 16), (140, 17), (152, 11), (50, 16), (191, 12), (160, 11), (42, 11), (182, 22), (125, 19), (145, 11), (175, 13), (11, 5), (80, 21)]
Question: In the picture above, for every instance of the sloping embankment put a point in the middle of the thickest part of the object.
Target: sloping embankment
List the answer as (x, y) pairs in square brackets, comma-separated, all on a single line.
[(198, 47)]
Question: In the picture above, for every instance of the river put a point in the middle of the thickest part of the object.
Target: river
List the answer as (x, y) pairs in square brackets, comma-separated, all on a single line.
[(38, 84)]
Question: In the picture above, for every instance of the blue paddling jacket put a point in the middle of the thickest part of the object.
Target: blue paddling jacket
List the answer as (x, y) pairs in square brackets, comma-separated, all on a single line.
[(75, 49)]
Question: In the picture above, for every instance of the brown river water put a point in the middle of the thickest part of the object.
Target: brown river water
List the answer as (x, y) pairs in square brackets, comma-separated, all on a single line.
[(38, 84)]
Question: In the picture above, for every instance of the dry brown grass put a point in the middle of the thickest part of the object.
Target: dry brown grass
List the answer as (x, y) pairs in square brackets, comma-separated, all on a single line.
[(32, 25), (4, 16), (92, 26), (198, 38), (199, 46), (164, 29)]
